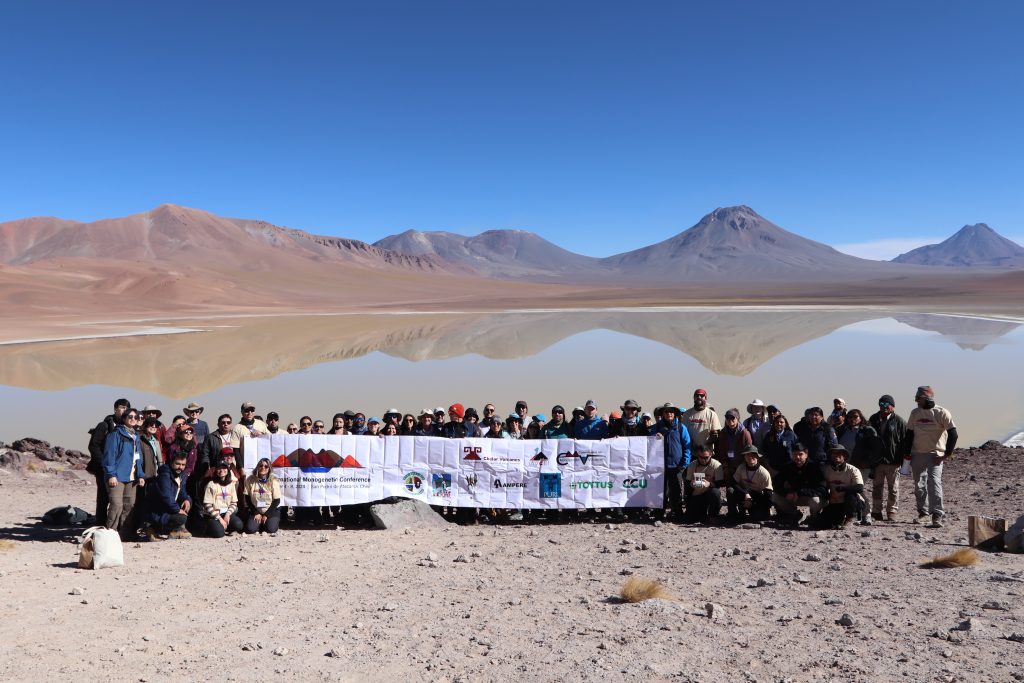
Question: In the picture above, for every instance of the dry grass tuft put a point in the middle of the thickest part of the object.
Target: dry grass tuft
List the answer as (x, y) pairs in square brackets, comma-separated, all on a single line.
[(966, 557), (638, 589), (6, 544)]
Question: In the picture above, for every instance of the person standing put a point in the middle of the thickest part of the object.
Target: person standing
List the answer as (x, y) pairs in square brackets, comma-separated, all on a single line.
[(248, 426), (192, 412), (757, 424), (557, 428), (892, 431), (97, 442), (701, 420), (677, 457), (122, 467), (591, 426), (931, 438), (819, 437)]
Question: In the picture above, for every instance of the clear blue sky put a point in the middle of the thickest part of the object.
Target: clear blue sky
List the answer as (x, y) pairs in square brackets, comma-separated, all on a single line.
[(601, 126)]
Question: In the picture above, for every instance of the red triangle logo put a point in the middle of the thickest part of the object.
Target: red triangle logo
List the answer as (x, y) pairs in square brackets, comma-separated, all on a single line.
[(349, 461)]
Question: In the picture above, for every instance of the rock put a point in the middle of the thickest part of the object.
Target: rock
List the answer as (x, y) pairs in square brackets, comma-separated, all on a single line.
[(812, 557), (76, 591), (432, 557), (322, 538), (460, 558), (996, 605), (736, 552), (626, 572), (476, 553), (280, 651), (845, 620), (991, 445), (252, 647), (800, 578), (716, 613), (968, 624), (334, 653), (405, 513), (1015, 637), (657, 522), (867, 533), (857, 593), (761, 583), (552, 541), (749, 525), (833, 601), (1014, 537), (389, 607), (12, 460)]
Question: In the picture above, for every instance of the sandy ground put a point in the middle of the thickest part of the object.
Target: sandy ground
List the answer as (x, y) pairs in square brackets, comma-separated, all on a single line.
[(530, 603)]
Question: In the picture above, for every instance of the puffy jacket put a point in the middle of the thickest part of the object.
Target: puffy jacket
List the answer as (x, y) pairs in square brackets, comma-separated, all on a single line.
[(892, 433), (461, 430), (168, 496), (818, 440), (118, 454), (677, 442), (778, 448), (594, 428)]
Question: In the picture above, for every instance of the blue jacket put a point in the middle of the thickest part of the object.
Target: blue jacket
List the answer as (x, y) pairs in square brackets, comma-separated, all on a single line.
[(553, 431), (677, 442), (818, 440), (778, 448), (594, 428), (167, 497), (118, 452)]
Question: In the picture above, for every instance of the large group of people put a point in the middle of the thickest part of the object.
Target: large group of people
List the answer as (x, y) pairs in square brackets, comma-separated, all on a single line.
[(183, 477)]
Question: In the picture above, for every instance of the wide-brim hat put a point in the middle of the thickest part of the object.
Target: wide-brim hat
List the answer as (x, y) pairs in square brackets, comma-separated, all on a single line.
[(192, 406), (756, 403), (750, 450), (153, 409)]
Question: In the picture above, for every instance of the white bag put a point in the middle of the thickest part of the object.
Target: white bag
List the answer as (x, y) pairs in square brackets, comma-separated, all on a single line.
[(905, 468), (101, 548)]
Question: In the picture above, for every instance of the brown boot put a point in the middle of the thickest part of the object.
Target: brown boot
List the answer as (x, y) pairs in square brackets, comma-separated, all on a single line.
[(180, 533), (152, 535)]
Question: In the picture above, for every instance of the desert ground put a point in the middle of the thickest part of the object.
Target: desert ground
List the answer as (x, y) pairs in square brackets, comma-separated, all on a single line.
[(517, 603)]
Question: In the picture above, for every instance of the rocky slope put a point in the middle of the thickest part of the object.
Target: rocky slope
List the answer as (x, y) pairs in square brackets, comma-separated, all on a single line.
[(972, 246)]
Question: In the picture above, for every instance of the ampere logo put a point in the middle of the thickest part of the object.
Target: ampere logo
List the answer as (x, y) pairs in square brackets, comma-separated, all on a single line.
[(499, 484)]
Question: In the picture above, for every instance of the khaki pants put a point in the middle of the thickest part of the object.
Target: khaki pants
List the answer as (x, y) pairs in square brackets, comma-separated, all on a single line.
[(886, 476), (788, 509), (119, 509)]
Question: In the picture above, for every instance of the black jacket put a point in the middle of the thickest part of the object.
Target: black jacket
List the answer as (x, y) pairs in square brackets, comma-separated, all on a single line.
[(893, 434), (97, 442), (803, 481)]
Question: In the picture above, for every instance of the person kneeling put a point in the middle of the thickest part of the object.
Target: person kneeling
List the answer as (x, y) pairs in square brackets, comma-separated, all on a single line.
[(263, 493), (845, 487), (168, 504), (751, 492), (798, 483), (220, 503), (703, 479)]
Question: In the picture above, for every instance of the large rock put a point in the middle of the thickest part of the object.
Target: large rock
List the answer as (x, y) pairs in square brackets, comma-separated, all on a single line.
[(44, 451), (1015, 536), (12, 459), (405, 513)]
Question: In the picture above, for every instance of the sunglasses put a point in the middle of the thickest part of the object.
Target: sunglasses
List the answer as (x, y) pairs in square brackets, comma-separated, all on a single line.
[(305, 424), (249, 410), (224, 422), (132, 418), (292, 430), (884, 404)]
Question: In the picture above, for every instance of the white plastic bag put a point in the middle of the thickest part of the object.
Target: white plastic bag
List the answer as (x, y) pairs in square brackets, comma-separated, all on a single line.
[(905, 468), (101, 548)]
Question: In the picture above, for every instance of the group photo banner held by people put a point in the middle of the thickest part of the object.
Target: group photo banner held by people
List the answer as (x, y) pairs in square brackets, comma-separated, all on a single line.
[(316, 469)]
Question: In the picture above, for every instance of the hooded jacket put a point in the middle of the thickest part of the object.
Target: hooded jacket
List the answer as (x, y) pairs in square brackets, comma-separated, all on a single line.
[(818, 440), (553, 431), (677, 442), (594, 428), (120, 452)]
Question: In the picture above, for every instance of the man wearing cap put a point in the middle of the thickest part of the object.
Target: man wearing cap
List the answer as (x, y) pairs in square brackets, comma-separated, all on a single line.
[(798, 483), (457, 427), (845, 488), (701, 420), (751, 490), (703, 480), (247, 426), (522, 410), (677, 456), (557, 428), (930, 439), (514, 426), (273, 422), (731, 442), (393, 415), (192, 412), (591, 426), (892, 430), (97, 442), (757, 424), (439, 417)]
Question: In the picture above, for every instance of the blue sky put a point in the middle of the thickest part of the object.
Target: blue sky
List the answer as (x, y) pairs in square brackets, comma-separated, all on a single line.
[(601, 126)]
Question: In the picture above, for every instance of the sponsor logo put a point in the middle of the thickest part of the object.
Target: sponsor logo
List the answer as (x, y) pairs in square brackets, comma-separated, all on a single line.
[(636, 483), (499, 484), (441, 484), (477, 453), (539, 457), (550, 484), (472, 452), (471, 482), (563, 458), (591, 485), (414, 482), (350, 461)]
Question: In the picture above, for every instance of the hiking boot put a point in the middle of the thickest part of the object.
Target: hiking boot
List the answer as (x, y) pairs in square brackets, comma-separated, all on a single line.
[(922, 518), (845, 523), (936, 522), (152, 535), (877, 516), (866, 521), (179, 533), (890, 515)]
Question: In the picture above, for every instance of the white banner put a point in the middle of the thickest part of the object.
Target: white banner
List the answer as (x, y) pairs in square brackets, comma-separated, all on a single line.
[(316, 469)]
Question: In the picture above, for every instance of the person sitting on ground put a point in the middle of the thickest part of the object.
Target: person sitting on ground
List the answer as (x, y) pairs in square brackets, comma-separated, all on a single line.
[(557, 428), (732, 440), (591, 426), (425, 426), (263, 499), (169, 503), (751, 492), (704, 478), (220, 503), (798, 483), (845, 488)]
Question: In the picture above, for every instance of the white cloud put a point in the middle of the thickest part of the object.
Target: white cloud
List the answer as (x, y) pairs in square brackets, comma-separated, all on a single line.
[(885, 249)]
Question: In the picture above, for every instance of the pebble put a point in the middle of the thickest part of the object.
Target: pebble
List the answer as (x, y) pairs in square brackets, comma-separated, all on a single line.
[(833, 601), (280, 651), (845, 620), (460, 558), (761, 583), (800, 578), (476, 553), (432, 557), (716, 613), (736, 552), (554, 542), (996, 605), (812, 557), (389, 607), (76, 591), (626, 572), (857, 593), (252, 647), (334, 653), (657, 522)]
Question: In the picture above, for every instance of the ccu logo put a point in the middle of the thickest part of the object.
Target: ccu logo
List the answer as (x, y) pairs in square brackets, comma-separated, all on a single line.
[(634, 483), (414, 482), (563, 458)]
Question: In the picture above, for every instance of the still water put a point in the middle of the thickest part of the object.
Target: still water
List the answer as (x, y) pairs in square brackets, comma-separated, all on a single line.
[(320, 365)]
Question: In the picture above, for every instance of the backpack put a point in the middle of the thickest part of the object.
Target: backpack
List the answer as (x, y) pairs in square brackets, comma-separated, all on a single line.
[(66, 516)]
